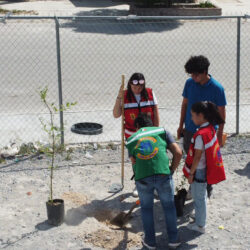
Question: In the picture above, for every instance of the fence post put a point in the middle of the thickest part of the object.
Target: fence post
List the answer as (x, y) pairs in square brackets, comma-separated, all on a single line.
[(238, 76), (59, 72)]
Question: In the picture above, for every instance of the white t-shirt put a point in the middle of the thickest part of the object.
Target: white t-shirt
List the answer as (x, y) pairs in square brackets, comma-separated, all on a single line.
[(199, 144), (138, 98)]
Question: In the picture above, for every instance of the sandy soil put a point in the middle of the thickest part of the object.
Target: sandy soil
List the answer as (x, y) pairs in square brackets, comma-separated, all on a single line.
[(83, 179)]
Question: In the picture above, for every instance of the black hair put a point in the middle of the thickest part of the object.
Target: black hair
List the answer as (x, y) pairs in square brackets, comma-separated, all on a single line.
[(143, 120), (210, 112), (197, 64), (136, 76)]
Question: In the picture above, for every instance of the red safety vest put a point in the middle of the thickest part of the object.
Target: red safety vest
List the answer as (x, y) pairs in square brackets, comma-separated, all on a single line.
[(132, 109), (215, 168)]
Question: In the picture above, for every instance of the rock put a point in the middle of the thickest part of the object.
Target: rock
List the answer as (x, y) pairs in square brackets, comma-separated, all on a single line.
[(9, 151), (88, 155)]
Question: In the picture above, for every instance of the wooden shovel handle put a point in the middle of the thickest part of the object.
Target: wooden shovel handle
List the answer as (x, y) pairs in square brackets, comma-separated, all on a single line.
[(134, 206), (122, 133)]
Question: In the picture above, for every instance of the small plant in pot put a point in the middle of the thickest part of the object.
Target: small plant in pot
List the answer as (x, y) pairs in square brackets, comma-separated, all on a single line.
[(55, 207), (180, 196)]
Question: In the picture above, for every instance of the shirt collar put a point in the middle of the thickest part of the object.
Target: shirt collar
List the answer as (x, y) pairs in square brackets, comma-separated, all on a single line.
[(204, 124), (206, 84)]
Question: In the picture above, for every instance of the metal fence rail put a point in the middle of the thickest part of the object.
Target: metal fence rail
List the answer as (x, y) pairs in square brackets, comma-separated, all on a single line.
[(86, 56)]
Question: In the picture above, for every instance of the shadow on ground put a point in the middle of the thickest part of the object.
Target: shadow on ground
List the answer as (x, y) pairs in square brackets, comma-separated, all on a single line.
[(118, 26), (245, 171), (106, 209), (96, 3)]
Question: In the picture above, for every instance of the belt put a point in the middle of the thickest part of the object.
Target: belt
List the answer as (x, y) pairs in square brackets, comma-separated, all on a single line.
[(199, 181)]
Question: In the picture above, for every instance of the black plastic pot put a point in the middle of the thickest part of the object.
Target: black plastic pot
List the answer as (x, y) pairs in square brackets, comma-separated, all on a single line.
[(179, 200), (55, 212), (87, 128)]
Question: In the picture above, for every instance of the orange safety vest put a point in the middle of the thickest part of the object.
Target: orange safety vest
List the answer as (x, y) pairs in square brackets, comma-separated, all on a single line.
[(214, 164), (132, 109)]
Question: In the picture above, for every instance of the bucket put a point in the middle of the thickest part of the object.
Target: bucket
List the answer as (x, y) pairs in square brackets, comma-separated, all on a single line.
[(179, 200)]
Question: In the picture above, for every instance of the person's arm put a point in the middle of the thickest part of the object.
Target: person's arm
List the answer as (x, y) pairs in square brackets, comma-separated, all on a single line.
[(182, 118), (197, 157), (222, 111), (132, 159), (117, 110), (156, 121), (177, 154)]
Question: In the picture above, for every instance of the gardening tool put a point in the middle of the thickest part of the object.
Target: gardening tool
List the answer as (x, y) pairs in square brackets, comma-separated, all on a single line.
[(122, 218), (122, 135), (116, 187)]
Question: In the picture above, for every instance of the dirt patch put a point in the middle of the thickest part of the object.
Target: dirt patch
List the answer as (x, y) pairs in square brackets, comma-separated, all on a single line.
[(112, 239), (75, 198)]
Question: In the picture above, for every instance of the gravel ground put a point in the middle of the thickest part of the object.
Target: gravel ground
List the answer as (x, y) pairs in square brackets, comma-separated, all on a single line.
[(83, 179)]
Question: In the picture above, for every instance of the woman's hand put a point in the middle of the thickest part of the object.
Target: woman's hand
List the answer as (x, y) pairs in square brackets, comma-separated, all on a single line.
[(190, 179), (117, 110)]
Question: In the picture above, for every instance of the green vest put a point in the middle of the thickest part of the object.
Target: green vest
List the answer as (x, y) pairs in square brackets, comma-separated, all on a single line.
[(149, 147)]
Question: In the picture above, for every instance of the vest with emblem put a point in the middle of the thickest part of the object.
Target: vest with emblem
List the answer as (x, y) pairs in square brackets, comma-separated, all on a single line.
[(132, 109), (149, 147), (214, 164)]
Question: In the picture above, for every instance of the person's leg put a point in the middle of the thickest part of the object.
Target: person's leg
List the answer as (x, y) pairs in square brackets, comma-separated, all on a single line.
[(199, 194), (209, 190), (134, 192), (145, 189), (187, 140), (165, 189)]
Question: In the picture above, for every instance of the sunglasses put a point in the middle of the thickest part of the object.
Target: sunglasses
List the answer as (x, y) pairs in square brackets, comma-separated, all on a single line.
[(135, 82)]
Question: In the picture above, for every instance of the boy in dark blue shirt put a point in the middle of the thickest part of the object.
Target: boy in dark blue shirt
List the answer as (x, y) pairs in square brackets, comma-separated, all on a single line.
[(201, 86)]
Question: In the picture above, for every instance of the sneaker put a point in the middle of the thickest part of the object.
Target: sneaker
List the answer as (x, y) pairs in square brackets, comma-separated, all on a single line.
[(192, 215), (135, 192), (174, 245), (147, 246), (197, 228)]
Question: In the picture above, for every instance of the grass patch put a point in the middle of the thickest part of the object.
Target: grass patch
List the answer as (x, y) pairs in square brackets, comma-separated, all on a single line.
[(206, 4), (18, 12)]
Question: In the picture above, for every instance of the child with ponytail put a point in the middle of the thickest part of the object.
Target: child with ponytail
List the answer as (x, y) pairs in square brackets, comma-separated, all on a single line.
[(204, 163)]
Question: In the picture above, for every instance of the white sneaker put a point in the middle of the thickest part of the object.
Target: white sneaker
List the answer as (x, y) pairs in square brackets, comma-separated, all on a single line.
[(135, 192), (192, 215), (147, 246), (174, 245), (195, 227)]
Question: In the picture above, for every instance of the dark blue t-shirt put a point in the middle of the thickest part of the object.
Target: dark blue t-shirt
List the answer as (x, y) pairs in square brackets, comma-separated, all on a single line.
[(211, 91)]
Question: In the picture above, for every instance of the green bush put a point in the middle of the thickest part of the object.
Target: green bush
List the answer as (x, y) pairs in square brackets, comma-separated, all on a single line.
[(206, 4)]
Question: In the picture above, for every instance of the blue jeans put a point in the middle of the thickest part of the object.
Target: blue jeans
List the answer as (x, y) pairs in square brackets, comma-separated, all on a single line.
[(199, 194), (165, 189)]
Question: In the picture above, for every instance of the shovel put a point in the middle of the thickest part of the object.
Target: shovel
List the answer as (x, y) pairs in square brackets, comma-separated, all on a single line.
[(117, 187), (122, 218)]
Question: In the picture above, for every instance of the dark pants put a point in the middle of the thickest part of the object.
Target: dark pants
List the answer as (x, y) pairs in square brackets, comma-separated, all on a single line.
[(187, 140)]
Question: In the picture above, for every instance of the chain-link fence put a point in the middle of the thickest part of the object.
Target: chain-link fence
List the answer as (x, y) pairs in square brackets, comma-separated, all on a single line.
[(90, 55)]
